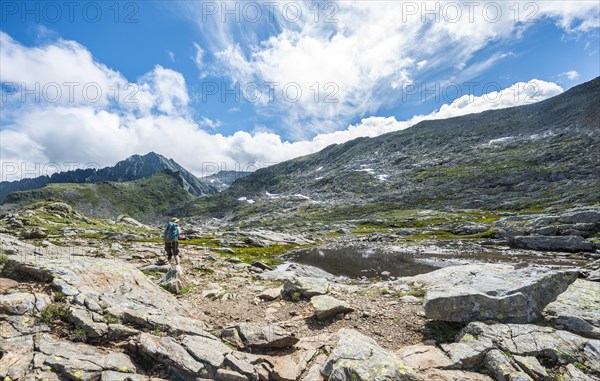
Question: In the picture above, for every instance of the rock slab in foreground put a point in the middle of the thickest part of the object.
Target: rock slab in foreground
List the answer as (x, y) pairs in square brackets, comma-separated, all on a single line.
[(477, 340), (577, 309), (357, 357), (492, 292)]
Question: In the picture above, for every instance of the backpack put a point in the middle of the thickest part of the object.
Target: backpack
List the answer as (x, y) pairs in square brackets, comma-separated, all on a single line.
[(171, 232)]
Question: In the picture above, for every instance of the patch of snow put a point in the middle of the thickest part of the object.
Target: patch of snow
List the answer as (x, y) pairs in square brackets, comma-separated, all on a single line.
[(318, 178), (546, 134), (319, 169), (211, 180), (500, 140), (298, 195), (249, 201), (382, 177), (271, 195), (370, 171)]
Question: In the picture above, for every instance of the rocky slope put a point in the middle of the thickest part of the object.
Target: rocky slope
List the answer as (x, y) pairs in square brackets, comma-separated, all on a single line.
[(535, 156), (133, 168), (223, 179), (147, 199), (80, 308)]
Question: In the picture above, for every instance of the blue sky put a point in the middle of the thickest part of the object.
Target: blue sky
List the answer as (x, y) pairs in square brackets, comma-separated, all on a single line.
[(385, 64)]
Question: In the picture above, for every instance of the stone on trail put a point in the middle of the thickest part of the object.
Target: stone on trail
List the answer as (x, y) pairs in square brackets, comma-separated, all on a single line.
[(356, 357), (265, 336), (492, 292), (270, 294), (172, 281), (577, 309), (327, 307), (305, 286)]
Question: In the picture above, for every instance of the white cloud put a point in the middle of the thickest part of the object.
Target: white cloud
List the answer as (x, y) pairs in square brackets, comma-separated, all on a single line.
[(571, 74), (372, 48), (160, 119), (199, 56), (171, 55)]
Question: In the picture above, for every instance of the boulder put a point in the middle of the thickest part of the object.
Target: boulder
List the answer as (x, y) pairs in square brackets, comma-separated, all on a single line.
[(7, 284), (532, 367), (305, 286), (430, 362), (570, 243), (326, 307), (571, 373), (292, 270), (209, 352), (265, 336), (23, 303), (561, 347), (171, 354), (77, 361), (16, 357), (468, 228), (577, 309), (492, 292), (172, 282), (35, 233), (270, 294), (501, 367), (358, 357), (581, 217)]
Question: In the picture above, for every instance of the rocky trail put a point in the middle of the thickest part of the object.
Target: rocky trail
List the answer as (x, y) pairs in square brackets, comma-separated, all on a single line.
[(95, 312), (91, 299)]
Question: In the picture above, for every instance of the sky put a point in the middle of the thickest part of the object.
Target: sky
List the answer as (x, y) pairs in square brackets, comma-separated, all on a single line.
[(238, 85)]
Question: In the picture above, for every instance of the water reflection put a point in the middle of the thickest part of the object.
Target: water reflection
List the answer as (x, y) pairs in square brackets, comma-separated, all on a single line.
[(356, 262), (398, 261)]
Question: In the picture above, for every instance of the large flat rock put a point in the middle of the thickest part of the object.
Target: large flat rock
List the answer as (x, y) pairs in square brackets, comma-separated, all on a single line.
[(481, 292), (577, 309), (356, 357), (526, 340)]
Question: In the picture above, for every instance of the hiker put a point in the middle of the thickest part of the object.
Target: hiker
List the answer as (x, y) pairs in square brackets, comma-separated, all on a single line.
[(171, 238)]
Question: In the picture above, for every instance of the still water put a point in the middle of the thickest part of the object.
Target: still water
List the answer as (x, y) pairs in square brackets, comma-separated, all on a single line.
[(385, 261)]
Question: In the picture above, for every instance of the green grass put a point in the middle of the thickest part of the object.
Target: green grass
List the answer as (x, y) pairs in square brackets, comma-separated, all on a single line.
[(111, 319), (53, 312), (441, 332), (59, 297)]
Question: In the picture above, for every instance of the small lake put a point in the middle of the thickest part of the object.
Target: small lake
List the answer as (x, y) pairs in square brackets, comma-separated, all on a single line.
[(396, 261)]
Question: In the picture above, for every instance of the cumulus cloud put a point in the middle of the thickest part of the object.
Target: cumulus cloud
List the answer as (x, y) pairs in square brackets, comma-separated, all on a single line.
[(369, 49), (571, 74), (159, 119)]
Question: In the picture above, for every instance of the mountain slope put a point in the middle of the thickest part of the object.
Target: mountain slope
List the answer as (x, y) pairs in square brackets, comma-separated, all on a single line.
[(146, 199), (223, 179), (133, 168), (537, 155)]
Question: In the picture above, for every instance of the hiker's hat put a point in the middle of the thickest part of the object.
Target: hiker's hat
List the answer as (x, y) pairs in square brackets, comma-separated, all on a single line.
[(175, 219)]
